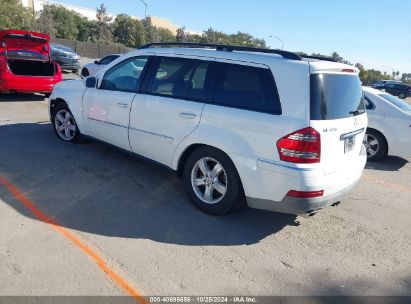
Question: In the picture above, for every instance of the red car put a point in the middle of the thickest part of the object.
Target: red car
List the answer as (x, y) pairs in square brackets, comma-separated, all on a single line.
[(25, 64)]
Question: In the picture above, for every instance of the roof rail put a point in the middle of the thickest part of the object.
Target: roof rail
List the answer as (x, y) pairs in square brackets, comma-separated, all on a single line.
[(319, 58), (224, 47)]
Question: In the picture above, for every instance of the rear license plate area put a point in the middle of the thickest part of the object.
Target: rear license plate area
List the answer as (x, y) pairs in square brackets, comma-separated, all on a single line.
[(349, 144)]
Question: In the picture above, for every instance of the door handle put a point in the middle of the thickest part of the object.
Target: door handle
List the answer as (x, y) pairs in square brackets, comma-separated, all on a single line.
[(122, 105), (187, 115)]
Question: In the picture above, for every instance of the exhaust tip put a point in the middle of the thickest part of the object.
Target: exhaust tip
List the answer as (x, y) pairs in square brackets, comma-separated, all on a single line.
[(309, 214)]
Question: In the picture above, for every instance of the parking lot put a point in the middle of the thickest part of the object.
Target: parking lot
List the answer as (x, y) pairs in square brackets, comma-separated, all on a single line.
[(88, 219)]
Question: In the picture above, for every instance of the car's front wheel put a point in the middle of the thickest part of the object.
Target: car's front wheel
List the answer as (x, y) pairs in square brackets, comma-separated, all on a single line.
[(402, 96), (212, 182), (376, 145), (64, 124)]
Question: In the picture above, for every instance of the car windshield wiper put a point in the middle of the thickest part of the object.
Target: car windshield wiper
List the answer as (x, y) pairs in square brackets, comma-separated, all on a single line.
[(357, 112)]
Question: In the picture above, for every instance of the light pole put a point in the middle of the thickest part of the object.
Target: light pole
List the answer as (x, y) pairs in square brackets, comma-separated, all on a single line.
[(146, 8), (282, 41)]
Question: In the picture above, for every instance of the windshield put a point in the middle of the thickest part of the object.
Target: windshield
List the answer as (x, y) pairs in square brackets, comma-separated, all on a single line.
[(397, 102), (62, 48), (335, 96)]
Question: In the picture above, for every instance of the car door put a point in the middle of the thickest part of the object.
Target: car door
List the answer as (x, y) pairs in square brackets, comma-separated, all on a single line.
[(169, 106), (107, 107), (390, 88)]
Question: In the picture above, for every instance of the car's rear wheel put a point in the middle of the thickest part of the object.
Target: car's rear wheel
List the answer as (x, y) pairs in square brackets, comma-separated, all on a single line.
[(64, 124), (85, 72), (212, 182), (402, 96), (376, 145)]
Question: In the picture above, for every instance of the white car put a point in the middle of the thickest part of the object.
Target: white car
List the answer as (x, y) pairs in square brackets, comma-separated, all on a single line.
[(389, 126), (92, 68), (240, 125)]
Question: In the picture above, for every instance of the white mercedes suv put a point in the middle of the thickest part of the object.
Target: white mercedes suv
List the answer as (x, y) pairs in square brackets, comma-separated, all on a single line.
[(266, 128)]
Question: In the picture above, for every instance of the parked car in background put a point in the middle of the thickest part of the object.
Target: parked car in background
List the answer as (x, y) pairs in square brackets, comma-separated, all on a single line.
[(92, 68), (384, 82), (65, 57), (229, 121), (25, 63), (389, 125), (401, 90)]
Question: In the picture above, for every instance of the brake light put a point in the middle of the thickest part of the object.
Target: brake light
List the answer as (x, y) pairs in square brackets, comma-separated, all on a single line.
[(302, 146), (348, 70), (305, 194)]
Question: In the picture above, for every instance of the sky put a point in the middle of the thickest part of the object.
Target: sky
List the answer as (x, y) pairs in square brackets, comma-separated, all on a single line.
[(376, 33)]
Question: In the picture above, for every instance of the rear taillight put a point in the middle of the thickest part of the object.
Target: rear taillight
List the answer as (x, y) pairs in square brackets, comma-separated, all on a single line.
[(302, 146), (348, 71)]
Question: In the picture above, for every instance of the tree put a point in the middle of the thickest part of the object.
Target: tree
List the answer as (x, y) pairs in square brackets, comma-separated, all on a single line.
[(103, 29), (128, 31), (152, 34), (58, 22), (363, 73), (85, 29), (15, 16), (182, 35), (165, 35)]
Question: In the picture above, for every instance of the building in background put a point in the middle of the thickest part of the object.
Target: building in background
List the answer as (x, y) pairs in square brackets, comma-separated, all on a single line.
[(37, 5)]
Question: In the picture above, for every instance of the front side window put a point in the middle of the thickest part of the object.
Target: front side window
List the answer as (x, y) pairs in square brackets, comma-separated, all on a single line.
[(124, 76), (179, 78), (246, 87)]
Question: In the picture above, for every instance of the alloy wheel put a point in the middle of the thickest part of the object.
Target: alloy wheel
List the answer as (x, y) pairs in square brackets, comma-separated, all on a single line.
[(65, 125), (371, 144), (209, 180)]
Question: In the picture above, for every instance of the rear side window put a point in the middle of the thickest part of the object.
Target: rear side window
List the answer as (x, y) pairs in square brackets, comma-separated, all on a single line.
[(335, 96), (178, 78), (246, 87)]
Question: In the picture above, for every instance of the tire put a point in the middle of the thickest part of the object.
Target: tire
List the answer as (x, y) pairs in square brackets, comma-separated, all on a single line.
[(64, 124), (402, 96), (376, 145), (85, 72), (225, 191)]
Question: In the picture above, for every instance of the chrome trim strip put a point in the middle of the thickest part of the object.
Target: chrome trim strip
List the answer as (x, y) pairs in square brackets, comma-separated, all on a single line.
[(275, 163), (152, 133), (106, 122), (351, 134)]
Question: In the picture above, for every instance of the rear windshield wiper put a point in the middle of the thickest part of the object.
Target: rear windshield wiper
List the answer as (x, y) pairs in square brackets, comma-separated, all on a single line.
[(357, 112)]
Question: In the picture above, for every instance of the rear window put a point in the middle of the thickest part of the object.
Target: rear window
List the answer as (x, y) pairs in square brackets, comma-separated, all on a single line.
[(335, 96), (397, 102), (246, 87)]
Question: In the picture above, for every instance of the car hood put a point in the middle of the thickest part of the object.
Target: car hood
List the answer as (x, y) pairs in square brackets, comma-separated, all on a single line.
[(70, 84), (17, 40)]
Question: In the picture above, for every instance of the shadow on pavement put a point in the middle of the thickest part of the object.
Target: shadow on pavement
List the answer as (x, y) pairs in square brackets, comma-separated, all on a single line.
[(389, 163), (21, 97), (97, 189)]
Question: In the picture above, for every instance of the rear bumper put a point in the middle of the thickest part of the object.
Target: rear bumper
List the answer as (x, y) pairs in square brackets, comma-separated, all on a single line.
[(267, 183), (29, 85), (294, 205), (70, 66)]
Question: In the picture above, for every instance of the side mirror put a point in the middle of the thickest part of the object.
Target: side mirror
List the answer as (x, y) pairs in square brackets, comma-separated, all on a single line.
[(91, 82), (96, 62)]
